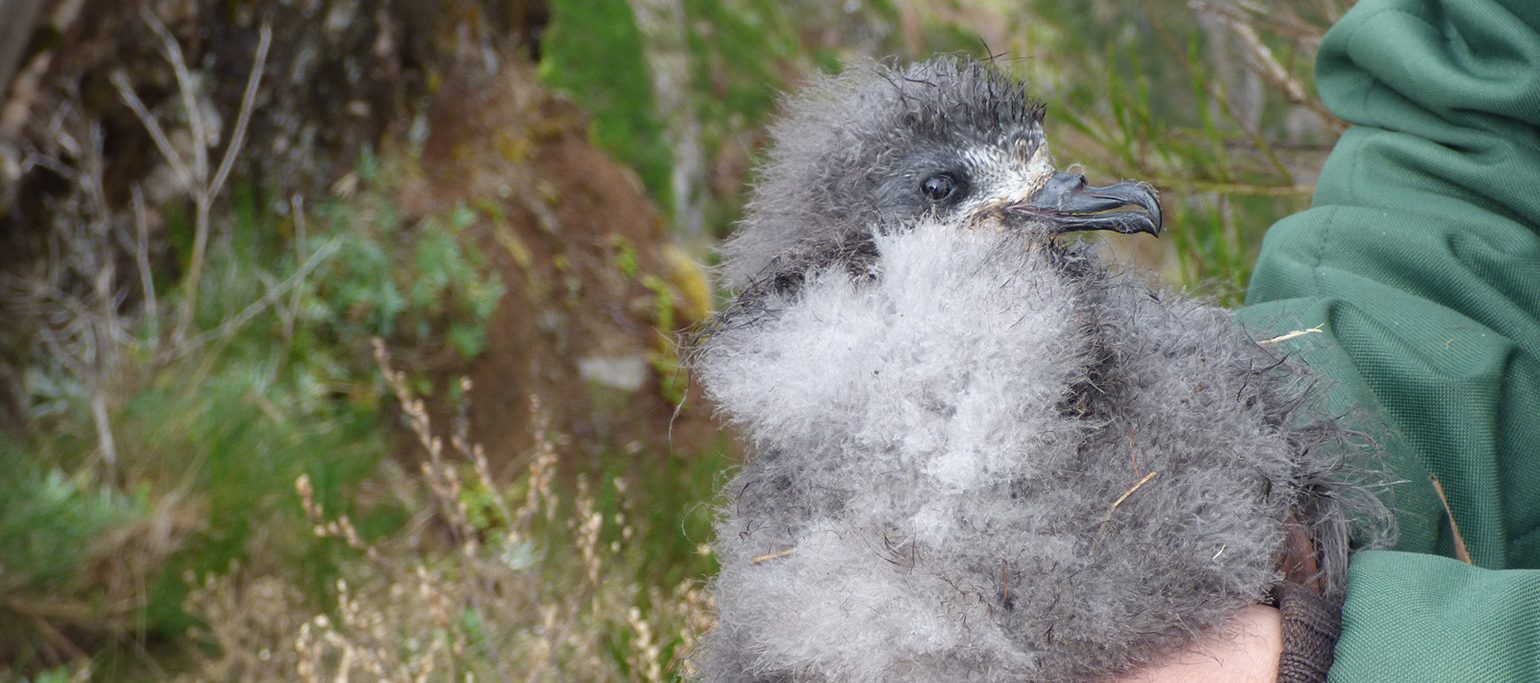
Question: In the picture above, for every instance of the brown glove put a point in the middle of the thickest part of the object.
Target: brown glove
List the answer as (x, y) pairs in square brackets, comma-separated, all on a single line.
[(1311, 623)]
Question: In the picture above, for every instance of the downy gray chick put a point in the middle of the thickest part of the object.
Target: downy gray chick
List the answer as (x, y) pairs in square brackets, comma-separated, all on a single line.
[(977, 454)]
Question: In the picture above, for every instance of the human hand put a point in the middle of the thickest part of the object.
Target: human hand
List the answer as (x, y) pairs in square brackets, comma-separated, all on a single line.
[(1244, 650)]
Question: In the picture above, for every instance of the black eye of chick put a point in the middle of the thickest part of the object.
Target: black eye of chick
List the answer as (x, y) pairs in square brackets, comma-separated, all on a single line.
[(938, 187)]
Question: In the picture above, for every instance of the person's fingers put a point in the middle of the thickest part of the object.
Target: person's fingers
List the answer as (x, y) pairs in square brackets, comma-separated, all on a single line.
[(1244, 650)]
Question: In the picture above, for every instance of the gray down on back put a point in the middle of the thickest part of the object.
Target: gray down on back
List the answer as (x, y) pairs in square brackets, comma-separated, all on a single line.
[(975, 452)]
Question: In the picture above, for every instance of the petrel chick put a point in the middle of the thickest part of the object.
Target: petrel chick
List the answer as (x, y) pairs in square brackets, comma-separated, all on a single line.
[(977, 453)]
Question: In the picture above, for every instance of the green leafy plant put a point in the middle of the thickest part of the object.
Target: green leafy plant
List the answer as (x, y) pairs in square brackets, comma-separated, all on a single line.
[(594, 51)]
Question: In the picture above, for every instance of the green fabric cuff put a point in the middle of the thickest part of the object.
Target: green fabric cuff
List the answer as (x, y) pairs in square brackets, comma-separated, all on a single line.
[(1411, 617), (1420, 263)]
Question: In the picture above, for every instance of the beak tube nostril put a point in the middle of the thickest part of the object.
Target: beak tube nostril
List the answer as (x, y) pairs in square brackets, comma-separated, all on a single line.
[(1070, 204)]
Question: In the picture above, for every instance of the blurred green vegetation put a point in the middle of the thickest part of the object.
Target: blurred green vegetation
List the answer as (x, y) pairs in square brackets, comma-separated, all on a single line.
[(593, 50), (1173, 93), (135, 558), (1155, 90)]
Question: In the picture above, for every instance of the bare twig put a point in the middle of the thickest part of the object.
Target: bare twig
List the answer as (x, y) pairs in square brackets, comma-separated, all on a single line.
[(1217, 92), (103, 424), (200, 187), (1270, 18), (100, 324), (1265, 65), (1243, 189), (142, 260), (207, 190), (243, 115), (187, 89), (152, 126)]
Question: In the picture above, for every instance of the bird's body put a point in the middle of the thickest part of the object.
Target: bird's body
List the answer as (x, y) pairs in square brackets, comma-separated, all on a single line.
[(977, 453)]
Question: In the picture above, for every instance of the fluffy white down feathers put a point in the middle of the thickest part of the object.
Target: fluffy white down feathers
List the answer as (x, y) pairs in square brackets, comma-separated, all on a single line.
[(926, 504), (976, 454)]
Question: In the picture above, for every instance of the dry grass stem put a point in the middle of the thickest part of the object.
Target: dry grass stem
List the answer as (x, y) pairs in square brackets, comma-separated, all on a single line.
[(1217, 94), (1241, 189), (767, 557), (1264, 64), (508, 601), (1461, 553), (1131, 490), (1290, 335), (301, 247)]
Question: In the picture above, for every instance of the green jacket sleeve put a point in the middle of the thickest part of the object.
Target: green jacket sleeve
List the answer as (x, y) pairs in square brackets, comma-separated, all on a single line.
[(1420, 257)]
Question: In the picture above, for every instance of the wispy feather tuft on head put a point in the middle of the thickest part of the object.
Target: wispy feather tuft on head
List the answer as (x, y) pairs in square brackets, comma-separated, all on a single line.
[(976, 453)]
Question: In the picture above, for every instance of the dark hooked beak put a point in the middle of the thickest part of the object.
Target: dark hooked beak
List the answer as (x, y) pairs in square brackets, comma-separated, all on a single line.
[(1070, 205)]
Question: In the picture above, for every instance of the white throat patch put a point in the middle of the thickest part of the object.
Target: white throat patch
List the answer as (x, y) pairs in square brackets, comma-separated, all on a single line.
[(1000, 176)]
